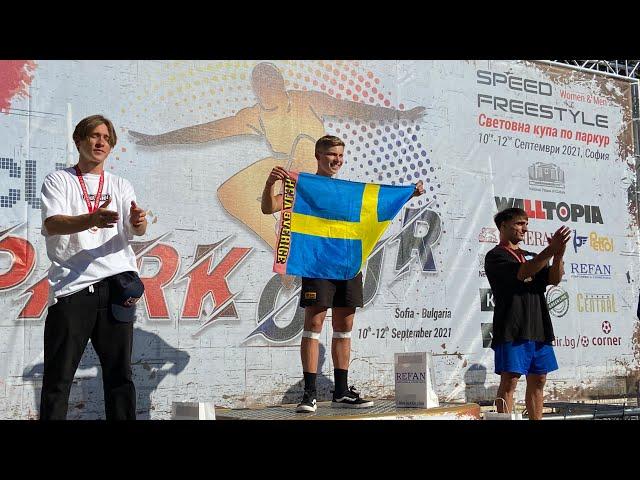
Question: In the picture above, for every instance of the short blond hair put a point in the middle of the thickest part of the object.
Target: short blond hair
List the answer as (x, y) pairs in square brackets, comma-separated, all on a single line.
[(328, 141)]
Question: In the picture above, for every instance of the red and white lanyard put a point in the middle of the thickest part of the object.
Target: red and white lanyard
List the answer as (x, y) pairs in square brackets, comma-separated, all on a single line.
[(518, 256), (96, 202)]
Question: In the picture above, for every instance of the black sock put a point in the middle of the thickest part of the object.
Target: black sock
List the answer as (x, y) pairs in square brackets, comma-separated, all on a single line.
[(340, 377), (309, 381)]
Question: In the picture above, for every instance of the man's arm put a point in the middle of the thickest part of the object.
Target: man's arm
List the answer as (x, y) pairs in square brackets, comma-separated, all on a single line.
[(243, 123), (271, 202), (68, 224), (557, 270), (557, 244)]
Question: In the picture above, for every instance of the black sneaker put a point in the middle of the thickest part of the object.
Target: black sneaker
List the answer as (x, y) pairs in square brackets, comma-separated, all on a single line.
[(350, 399), (308, 403)]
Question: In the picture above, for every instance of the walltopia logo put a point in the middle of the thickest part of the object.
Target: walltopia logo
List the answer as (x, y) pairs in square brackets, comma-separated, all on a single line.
[(545, 210)]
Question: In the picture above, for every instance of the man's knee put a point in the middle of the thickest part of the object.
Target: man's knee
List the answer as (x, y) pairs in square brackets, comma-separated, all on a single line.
[(342, 325), (509, 382), (314, 318), (313, 324), (536, 382)]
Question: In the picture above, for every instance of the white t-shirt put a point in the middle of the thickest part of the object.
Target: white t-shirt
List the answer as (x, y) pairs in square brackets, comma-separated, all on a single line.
[(82, 259)]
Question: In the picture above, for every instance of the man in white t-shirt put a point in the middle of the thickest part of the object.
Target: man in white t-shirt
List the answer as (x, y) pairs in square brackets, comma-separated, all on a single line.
[(89, 217)]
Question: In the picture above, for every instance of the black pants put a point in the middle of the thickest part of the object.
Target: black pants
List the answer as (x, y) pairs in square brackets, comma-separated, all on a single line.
[(70, 323)]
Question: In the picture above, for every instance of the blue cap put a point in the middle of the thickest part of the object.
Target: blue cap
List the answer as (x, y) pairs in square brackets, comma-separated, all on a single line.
[(125, 289)]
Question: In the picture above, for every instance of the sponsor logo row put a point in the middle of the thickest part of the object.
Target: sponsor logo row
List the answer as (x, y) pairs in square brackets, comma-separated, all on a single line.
[(594, 241), (558, 302)]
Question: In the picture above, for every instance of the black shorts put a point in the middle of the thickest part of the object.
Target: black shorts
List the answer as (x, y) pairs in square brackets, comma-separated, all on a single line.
[(331, 293)]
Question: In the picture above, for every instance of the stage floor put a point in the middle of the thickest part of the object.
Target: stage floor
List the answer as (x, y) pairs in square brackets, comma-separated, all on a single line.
[(381, 410)]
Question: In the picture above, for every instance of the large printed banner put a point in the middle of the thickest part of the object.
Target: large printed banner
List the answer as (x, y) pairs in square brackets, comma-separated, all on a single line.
[(197, 140)]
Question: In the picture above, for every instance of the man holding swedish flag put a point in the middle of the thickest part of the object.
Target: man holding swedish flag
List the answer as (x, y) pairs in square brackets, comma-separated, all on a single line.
[(320, 294)]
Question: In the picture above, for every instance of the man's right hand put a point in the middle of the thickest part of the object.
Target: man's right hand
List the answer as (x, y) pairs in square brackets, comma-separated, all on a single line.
[(103, 217), (278, 173), (558, 242)]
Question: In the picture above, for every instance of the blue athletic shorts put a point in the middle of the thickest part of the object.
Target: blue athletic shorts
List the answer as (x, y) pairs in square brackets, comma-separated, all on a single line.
[(525, 357)]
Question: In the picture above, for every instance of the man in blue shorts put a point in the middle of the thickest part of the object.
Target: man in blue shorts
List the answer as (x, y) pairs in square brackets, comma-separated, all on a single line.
[(522, 329)]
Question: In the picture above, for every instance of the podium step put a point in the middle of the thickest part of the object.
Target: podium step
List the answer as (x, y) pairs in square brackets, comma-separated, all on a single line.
[(381, 410)]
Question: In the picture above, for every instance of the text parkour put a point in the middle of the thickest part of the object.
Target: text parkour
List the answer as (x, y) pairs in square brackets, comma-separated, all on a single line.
[(207, 294), (545, 210)]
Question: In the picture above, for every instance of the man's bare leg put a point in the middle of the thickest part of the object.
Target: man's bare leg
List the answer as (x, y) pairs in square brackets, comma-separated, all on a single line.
[(313, 320), (534, 396), (508, 383), (342, 323)]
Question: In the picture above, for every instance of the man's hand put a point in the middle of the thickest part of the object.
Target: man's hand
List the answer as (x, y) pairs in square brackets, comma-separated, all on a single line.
[(136, 215), (103, 217), (558, 242), (278, 173), (419, 189)]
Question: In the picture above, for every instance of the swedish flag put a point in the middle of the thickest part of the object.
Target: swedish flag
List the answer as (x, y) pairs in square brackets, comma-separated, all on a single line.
[(328, 227)]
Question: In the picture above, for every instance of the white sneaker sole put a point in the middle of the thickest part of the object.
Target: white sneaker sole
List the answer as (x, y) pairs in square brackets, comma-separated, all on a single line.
[(306, 409)]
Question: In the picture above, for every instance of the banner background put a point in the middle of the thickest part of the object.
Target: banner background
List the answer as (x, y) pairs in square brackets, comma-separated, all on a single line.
[(204, 330)]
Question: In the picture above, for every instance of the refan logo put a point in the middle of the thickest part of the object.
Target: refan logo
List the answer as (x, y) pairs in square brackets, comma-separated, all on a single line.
[(545, 210)]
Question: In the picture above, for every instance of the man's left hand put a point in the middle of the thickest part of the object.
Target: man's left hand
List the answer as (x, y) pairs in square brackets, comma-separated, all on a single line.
[(136, 215)]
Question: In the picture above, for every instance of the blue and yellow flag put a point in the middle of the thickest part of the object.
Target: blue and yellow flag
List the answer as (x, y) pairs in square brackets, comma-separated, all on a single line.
[(328, 227)]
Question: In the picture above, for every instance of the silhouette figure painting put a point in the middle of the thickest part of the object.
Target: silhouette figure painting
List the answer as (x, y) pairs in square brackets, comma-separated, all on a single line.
[(290, 121)]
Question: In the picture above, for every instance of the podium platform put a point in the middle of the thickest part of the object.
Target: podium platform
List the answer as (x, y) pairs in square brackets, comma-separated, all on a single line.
[(381, 410)]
